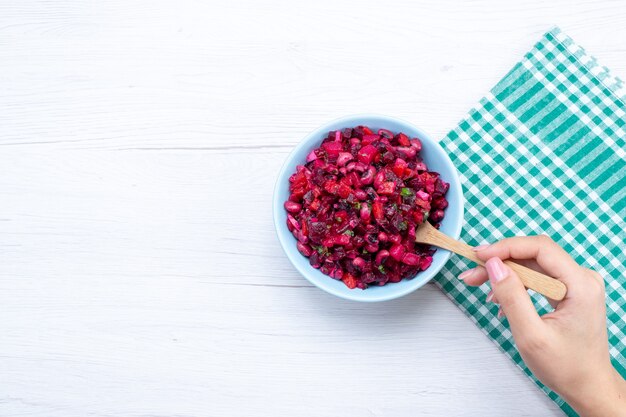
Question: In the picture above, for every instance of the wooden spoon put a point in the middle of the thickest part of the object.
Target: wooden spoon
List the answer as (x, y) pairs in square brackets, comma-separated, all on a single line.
[(532, 279)]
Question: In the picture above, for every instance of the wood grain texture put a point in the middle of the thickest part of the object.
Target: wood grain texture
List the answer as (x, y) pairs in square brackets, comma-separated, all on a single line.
[(139, 143), (533, 280)]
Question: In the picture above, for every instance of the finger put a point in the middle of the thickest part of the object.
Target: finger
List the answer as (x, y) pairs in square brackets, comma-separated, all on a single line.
[(548, 255), (491, 298), (514, 300), (475, 276), (529, 263), (532, 264), (478, 276)]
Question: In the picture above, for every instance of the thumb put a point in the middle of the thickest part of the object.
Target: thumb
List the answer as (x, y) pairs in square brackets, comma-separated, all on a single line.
[(513, 298)]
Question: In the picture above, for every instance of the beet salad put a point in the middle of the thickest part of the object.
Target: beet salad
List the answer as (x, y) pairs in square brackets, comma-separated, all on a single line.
[(354, 206)]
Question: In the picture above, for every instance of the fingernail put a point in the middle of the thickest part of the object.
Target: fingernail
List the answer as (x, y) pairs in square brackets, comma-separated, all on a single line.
[(496, 270), (479, 248), (489, 297), (500, 313), (467, 274)]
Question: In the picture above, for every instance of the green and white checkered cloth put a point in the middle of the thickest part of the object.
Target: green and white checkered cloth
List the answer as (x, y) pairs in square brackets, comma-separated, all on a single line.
[(545, 152)]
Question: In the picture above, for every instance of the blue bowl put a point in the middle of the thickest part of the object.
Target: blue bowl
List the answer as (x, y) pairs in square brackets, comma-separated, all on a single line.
[(435, 158)]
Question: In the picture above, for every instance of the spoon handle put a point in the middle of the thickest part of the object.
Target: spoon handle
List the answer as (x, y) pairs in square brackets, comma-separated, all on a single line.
[(536, 281)]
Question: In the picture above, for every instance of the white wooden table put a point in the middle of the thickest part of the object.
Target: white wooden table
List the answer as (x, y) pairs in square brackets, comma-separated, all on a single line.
[(139, 143)]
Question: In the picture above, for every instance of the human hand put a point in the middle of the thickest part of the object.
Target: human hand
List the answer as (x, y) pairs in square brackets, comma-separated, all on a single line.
[(567, 349)]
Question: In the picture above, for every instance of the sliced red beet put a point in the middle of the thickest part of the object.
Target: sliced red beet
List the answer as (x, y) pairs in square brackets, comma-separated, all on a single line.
[(332, 148), (377, 209), (388, 187), (396, 252), (349, 280), (411, 259), (367, 154)]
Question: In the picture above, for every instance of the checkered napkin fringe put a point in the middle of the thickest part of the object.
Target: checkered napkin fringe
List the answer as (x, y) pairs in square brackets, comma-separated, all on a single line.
[(545, 152)]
